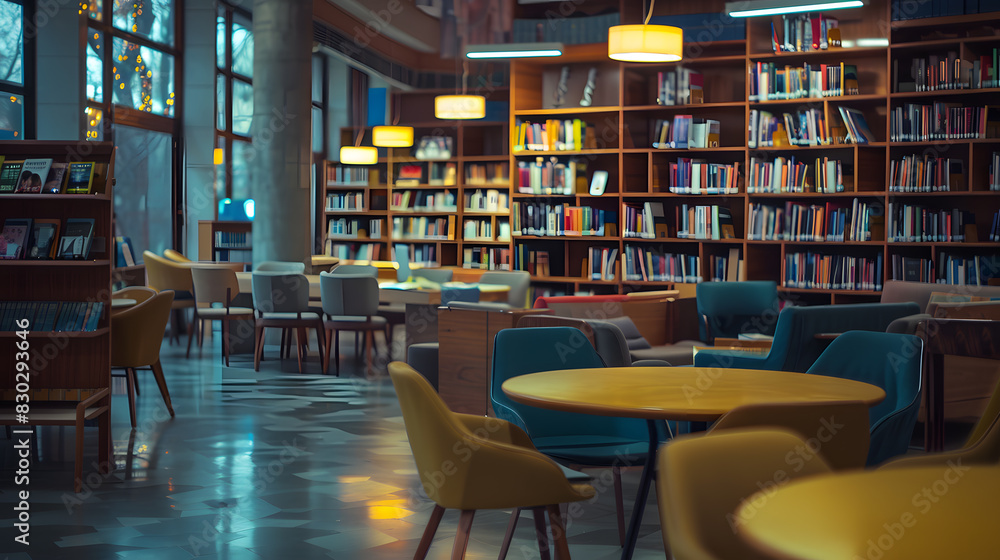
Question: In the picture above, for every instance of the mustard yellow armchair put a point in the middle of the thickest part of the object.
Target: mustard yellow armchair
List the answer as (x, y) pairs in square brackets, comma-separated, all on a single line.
[(165, 274), (136, 336), (175, 256), (468, 463), (138, 293)]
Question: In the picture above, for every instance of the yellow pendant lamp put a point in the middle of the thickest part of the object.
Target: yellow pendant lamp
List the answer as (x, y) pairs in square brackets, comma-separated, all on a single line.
[(392, 136), (646, 43), (460, 107), (358, 155)]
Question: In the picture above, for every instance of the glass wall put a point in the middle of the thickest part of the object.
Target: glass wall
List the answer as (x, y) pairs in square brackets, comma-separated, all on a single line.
[(233, 100), (12, 79), (143, 177)]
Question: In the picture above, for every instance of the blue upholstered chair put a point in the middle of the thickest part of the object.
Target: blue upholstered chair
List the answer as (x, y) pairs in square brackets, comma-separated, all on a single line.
[(576, 439), (889, 361), (795, 345), (727, 309)]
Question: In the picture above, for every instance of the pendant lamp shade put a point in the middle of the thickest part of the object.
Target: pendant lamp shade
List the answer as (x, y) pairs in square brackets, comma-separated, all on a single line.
[(358, 155), (460, 107), (392, 136), (645, 43)]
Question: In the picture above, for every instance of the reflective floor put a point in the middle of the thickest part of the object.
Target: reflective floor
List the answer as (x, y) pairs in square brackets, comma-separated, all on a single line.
[(273, 465)]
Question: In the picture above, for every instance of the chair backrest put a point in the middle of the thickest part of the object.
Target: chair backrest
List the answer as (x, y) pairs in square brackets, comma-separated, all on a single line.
[(532, 320), (214, 285), (349, 295), (523, 351), (795, 346), (438, 275), (703, 479), (403, 262), (433, 431), (138, 293), (137, 332), (886, 360), (610, 342), (276, 292), (838, 431), (175, 256), (988, 420), (355, 269), (518, 280), (727, 309), (164, 274), (452, 294), (281, 266)]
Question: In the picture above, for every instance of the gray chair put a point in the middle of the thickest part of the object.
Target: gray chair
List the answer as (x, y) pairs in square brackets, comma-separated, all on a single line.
[(217, 286), (282, 301), (437, 275), (518, 280), (281, 266), (350, 303), (611, 345), (355, 269)]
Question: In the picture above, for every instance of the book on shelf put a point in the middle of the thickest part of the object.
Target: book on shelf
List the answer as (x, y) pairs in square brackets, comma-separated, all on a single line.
[(423, 201), (233, 239), (770, 81), (647, 221), (554, 135), (792, 175), (354, 228), (535, 263), (55, 178), (477, 230), (443, 174), (857, 127), (943, 121), (834, 221), (681, 86), (423, 254), (818, 271), (10, 172), (34, 172), (809, 127), (80, 177), (44, 237), (15, 238), (489, 200), (645, 264), (410, 175), (477, 174), (545, 219), (123, 252), (346, 201), (423, 227), (697, 176), (995, 228), (913, 269), (916, 223), (944, 71), (975, 270), (685, 132), (994, 180), (926, 174), (727, 268), (600, 263), (51, 316), (552, 176), (805, 32), (351, 175), (702, 222), (353, 251), (486, 258)]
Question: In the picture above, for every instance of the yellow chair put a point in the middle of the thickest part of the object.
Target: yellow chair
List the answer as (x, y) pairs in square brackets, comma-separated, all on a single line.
[(837, 431), (176, 256), (703, 479), (138, 293), (982, 447), (218, 285), (472, 462), (164, 274), (136, 336)]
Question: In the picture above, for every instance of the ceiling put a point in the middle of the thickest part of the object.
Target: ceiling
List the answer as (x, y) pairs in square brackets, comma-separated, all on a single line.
[(399, 20)]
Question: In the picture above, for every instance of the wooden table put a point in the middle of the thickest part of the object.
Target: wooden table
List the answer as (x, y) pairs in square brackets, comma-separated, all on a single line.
[(388, 294), (890, 514), (675, 393)]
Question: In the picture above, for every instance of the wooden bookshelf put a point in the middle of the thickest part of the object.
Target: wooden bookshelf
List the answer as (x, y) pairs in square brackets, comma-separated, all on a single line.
[(209, 247), (70, 372)]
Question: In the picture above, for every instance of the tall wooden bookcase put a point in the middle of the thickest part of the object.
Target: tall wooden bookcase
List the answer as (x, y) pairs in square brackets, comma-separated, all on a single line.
[(474, 143), (70, 377), (624, 110)]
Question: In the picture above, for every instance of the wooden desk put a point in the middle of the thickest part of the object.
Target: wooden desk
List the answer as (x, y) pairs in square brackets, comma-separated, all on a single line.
[(677, 393), (387, 294), (890, 514)]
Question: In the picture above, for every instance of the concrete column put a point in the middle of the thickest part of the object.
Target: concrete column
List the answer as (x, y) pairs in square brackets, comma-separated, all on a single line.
[(281, 129), (199, 120), (61, 77)]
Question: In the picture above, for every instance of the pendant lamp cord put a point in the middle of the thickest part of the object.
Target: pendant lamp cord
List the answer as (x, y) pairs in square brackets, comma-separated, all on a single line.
[(650, 13), (357, 113), (465, 76)]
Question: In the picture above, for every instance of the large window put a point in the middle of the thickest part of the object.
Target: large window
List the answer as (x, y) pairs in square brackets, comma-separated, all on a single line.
[(13, 82), (233, 101)]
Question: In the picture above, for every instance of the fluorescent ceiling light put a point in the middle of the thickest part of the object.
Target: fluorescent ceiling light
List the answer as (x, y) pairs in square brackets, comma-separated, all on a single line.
[(754, 8), (514, 50)]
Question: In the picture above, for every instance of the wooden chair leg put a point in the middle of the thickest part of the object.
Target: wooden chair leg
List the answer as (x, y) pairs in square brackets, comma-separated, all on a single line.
[(619, 504), (558, 532), (77, 455), (130, 389), (104, 455), (225, 341), (357, 344), (135, 380), (193, 327), (540, 532), (162, 383), (319, 345), (509, 535), (462, 538), (369, 342), (429, 531), (298, 348), (336, 352), (258, 346), (327, 343), (281, 347)]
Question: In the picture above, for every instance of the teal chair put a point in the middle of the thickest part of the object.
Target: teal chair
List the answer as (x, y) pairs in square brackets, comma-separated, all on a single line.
[(576, 439), (889, 361), (795, 346), (727, 309)]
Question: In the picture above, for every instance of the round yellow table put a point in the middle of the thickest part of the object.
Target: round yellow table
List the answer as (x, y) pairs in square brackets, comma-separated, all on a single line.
[(889, 514), (675, 393)]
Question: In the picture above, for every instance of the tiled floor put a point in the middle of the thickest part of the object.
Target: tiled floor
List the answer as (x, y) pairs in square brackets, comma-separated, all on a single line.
[(273, 465)]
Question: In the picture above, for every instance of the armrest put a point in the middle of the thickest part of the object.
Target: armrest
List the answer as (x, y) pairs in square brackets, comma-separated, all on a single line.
[(495, 429), (729, 359), (907, 325), (81, 407), (651, 363)]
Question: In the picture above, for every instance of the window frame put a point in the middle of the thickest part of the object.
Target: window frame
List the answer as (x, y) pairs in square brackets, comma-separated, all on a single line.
[(226, 134), (28, 77)]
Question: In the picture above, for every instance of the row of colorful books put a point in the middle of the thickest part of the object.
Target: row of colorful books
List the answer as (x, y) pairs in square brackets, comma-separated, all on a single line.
[(832, 272), (647, 221), (551, 176), (43, 175), (487, 173), (48, 316), (925, 174), (601, 263), (704, 222), (27, 238), (423, 227), (544, 219), (473, 230), (424, 254), (786, 175), (682, 86), (353, 251), (727, 268), (834, 221), (809, 127), (976, 270), (490, 200), (947, 71), (438, 174), (645, 264), (770, 81), (351, 175), (805, 32), (943, 121), (697, 176), (554, 135), (685, 132), (486, 258), (535, 263), (354, 228), (915, 223), (423, 201), (346, 202), (233, 239)]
